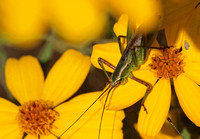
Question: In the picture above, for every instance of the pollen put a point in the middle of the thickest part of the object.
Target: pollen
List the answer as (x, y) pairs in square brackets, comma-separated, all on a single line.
[(37, 117), (169, 64)]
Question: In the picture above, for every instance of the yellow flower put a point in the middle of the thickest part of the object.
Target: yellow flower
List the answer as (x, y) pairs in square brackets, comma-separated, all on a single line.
[(22, 22), (185, 82), (41, 111), (183, 69), (25, 22), (77, 21)]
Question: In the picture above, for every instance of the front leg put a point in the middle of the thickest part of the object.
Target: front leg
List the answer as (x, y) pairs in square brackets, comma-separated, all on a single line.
[(120, 43), (102, 61)]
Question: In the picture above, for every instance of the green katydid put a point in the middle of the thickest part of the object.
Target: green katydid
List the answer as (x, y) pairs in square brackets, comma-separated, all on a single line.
[(132, 56)]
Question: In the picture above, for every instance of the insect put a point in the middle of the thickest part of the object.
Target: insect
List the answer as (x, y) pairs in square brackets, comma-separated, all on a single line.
[(132, 57)]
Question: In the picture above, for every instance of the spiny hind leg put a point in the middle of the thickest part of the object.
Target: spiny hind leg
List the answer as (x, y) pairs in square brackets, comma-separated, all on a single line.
[(149, 88), (102, 61), (121, 48)]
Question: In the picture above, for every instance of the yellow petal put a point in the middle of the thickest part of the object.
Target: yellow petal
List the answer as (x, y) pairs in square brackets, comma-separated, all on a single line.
[(88, 125), (188, 95), (120, 28), (10, 131), (8, 122), (192, 71), (192, 53), (191, 35), (142, 11), (166, 133), (22, 22), (24, 78), (175, 10), (157, 104), (108, 51), (50, 136), (174, 34), (8, 111), (76, 21), (126, 95), (66, 76), (33, 137)]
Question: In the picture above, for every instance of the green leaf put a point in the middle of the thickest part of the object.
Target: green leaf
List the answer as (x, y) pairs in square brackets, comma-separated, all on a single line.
[(46, 53), (3, 58), (185, 134)]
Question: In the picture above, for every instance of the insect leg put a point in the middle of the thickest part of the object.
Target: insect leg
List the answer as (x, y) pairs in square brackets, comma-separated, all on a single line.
[(149, 88), (102, 61), (121, 48)]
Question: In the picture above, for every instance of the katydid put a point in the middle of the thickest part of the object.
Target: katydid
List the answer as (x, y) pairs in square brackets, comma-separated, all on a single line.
[(132, 56)]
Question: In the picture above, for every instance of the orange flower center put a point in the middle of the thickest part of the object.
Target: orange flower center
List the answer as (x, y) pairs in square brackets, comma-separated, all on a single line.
[(169, 64), (37, 117)]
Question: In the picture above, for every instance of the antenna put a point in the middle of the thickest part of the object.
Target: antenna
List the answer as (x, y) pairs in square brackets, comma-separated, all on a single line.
[(170, 121), (103, 111), (54, 134)]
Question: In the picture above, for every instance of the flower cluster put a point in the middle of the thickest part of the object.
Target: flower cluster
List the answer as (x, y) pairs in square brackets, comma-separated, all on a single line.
[(47, 107)]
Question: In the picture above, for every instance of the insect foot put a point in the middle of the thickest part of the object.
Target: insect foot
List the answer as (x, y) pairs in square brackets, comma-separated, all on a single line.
[(145, 109)]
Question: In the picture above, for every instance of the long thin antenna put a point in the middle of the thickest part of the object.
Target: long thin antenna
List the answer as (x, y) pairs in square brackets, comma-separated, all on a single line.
[(85, 111), (170, 121), (103, 111)]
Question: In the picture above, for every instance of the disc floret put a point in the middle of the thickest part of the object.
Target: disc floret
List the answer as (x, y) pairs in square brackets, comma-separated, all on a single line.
[(37, 117), (169, 64)]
